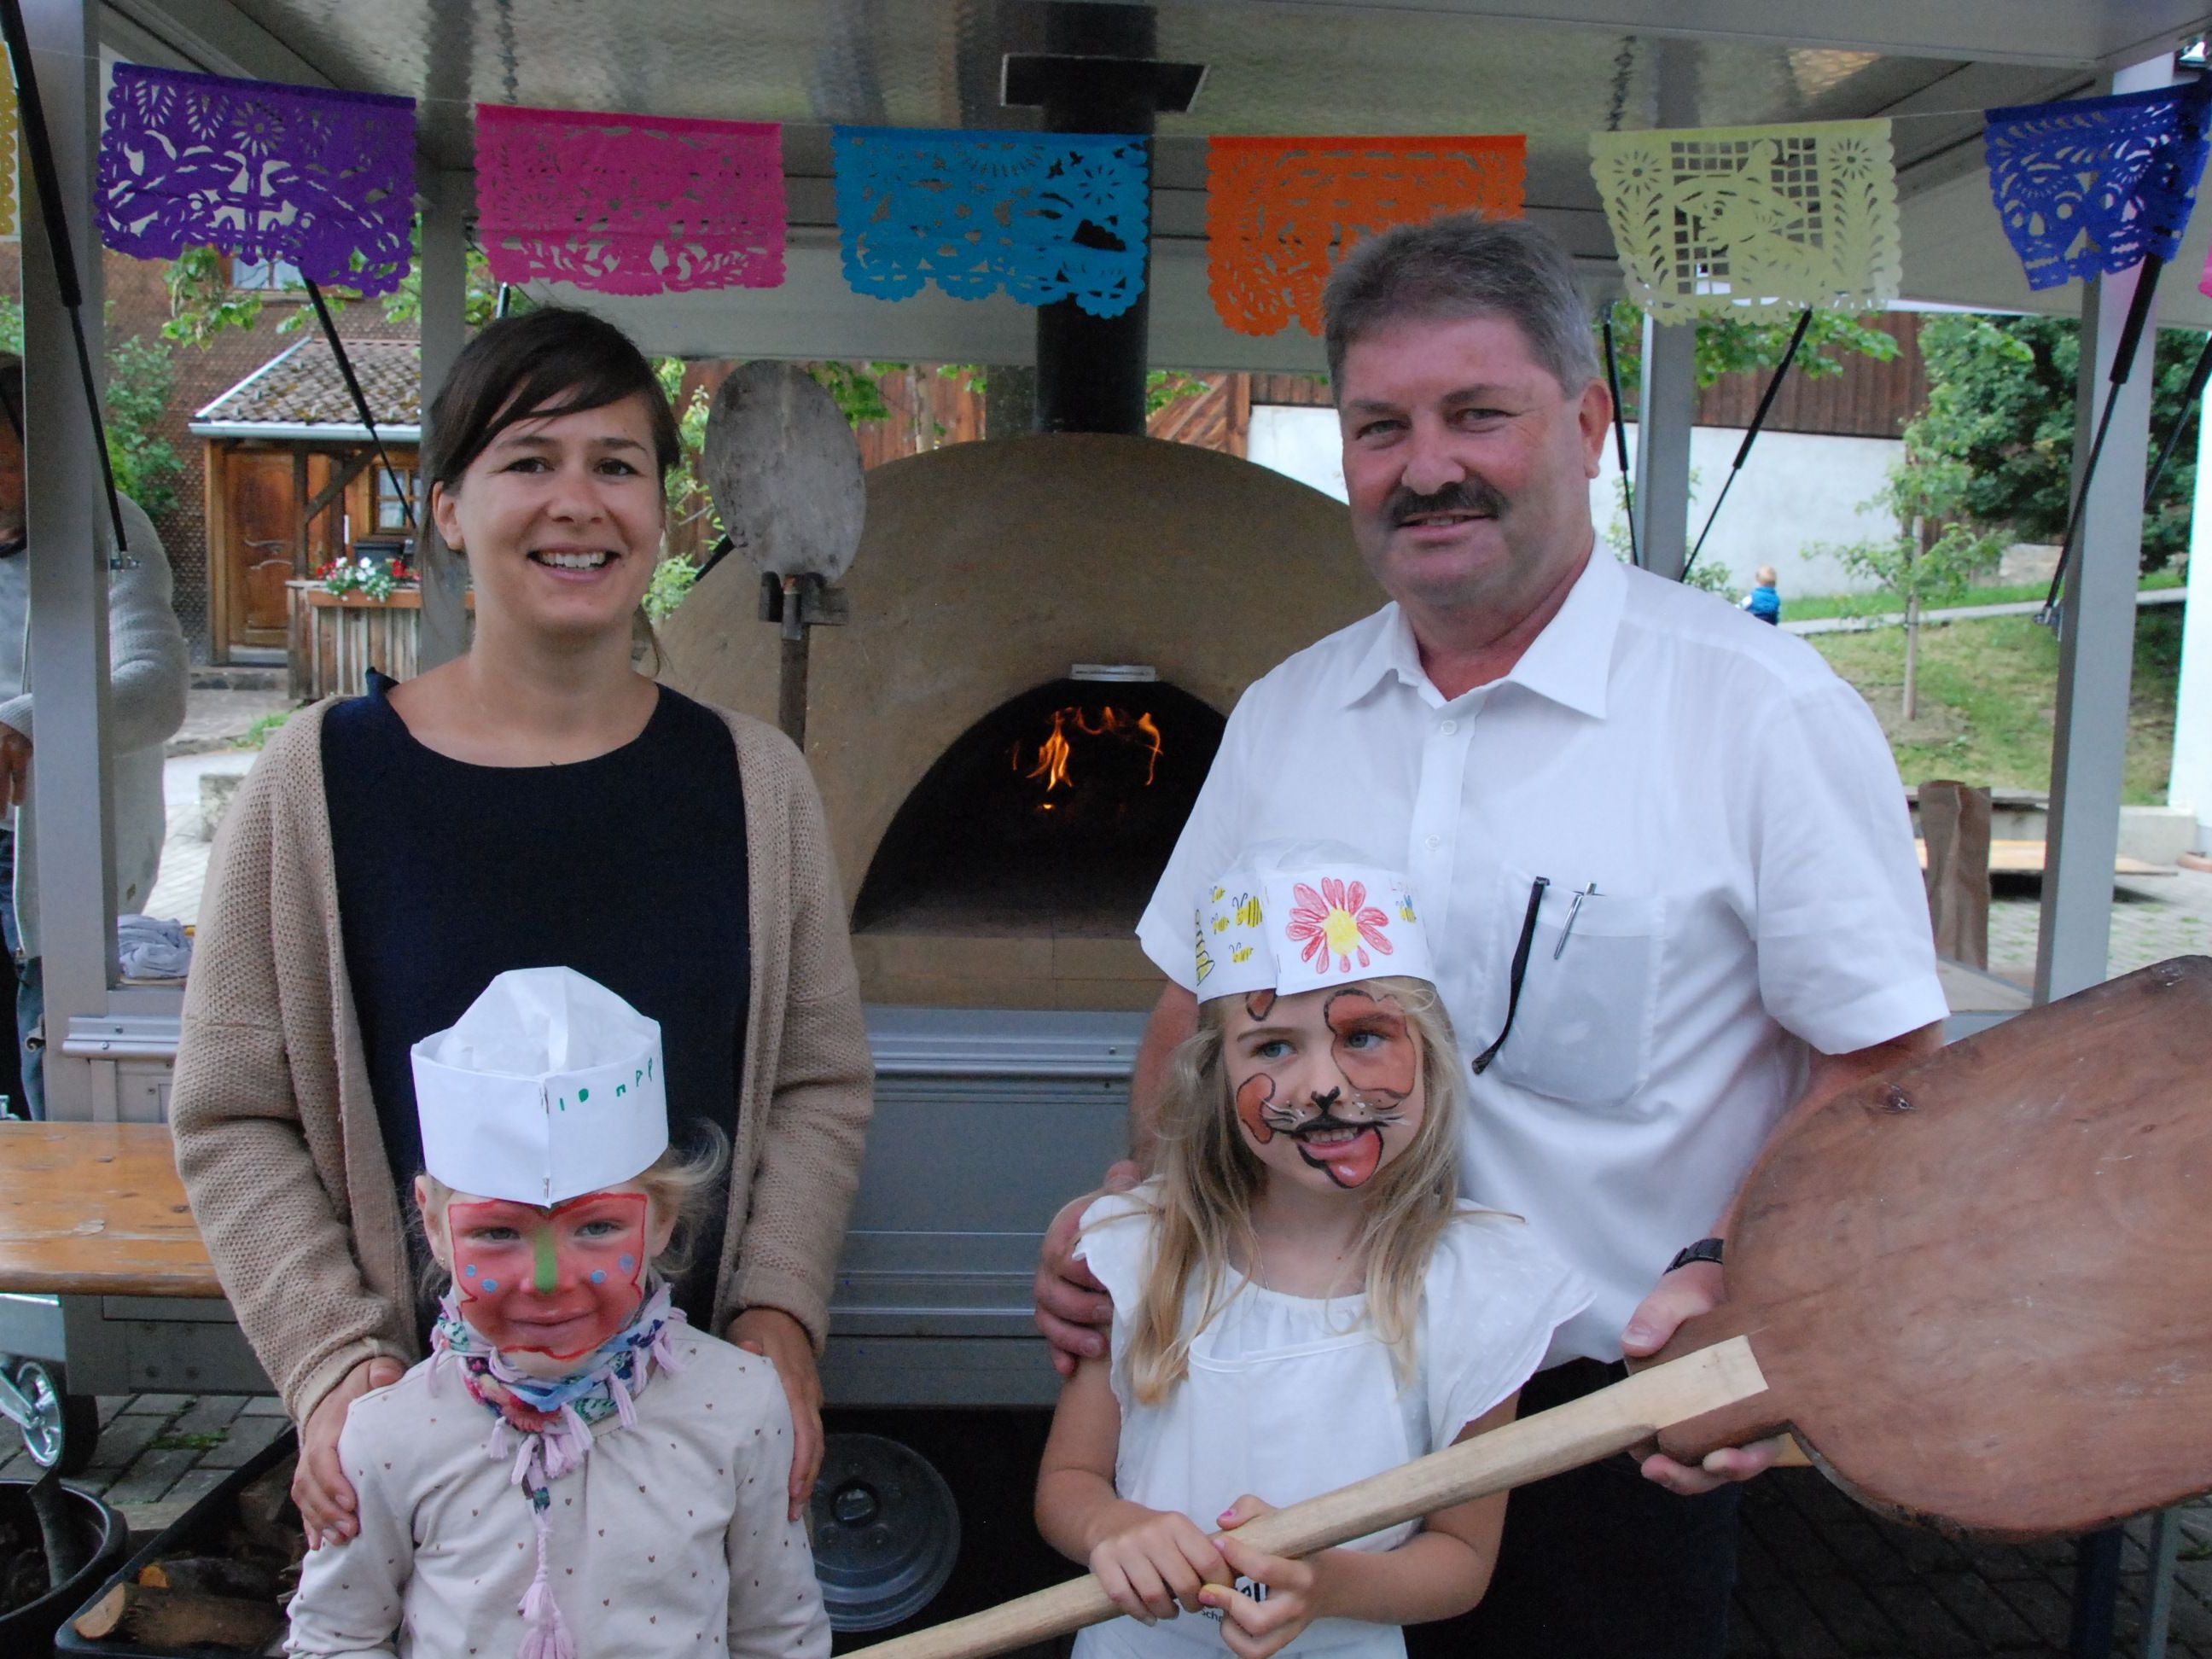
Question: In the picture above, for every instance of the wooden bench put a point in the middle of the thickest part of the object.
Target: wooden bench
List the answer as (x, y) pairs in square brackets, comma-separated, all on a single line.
[(2025, 858), (97, 1209)]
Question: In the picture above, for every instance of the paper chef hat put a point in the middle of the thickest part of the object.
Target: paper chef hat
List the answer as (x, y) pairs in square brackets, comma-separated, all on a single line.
[(549, 1087), (1294, 916)]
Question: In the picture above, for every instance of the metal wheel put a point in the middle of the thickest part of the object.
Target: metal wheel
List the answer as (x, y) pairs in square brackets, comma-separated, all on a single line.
[(886, 1531), (63, 1429)]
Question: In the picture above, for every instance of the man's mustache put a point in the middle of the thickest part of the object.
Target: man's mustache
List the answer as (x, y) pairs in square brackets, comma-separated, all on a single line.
[(1472, 496)]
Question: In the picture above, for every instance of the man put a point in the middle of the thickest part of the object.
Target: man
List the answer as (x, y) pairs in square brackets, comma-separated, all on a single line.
[(147, 673), (1651, 946)]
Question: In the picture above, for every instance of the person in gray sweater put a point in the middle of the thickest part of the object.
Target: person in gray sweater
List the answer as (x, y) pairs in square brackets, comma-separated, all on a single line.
[(147, 675)]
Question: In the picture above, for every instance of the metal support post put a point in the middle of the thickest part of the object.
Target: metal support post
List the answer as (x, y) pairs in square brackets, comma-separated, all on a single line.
[(447, 198), (71, 543), (2158, 1603), (1667, 407), (2190, 784), (2096, 662), (2096, 653)]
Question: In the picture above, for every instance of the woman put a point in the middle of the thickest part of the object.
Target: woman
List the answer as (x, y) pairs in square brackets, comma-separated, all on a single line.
[(535, 802)]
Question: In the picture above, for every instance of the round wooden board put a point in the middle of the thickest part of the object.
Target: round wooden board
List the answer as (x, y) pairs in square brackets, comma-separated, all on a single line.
[(1982, 1290), (781, 465)]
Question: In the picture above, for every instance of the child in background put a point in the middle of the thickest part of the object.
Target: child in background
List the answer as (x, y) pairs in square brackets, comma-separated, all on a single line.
[(575, 1472), (1763, 602), (1300, 1297)]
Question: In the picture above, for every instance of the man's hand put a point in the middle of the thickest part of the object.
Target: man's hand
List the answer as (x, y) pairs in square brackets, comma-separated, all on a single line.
[(1256, 1630), (1695, 1288), (319, 1484), (1073, 1310), (14, 767), (782, 1341)]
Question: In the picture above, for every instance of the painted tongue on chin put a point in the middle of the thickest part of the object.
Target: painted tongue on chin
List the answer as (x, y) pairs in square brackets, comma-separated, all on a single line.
[(1349, 1163)]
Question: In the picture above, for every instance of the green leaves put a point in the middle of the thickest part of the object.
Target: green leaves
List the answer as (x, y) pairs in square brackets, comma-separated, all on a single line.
[(141, 379), (202, 303), (1727, 345), (2001, 403)]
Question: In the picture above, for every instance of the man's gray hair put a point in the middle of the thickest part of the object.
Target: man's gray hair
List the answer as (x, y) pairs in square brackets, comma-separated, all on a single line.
[(1465, 265)]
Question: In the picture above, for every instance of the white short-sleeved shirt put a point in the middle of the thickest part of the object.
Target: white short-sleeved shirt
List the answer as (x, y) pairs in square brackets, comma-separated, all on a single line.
[(1288, 1397), (1757, 893)]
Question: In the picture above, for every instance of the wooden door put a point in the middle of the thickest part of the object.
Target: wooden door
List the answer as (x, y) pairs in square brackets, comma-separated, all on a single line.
[(262, 529)]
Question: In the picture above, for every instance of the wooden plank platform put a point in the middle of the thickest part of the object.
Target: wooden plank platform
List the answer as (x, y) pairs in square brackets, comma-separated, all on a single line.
[(2025, 858), (97, 1209)]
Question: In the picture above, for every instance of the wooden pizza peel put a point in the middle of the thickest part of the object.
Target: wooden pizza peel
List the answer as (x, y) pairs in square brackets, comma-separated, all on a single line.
[(784, 470), (1978, 1290)]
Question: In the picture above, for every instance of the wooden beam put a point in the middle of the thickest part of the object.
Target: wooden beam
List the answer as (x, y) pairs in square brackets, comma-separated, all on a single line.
[(299, 565), (216, 482), (336, 488)]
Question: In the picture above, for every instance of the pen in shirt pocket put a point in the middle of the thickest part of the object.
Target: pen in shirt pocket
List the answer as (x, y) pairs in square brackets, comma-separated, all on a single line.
[(1573, 911)]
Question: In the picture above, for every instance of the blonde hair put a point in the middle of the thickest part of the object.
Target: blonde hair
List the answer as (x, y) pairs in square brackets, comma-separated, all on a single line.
[(682, 1182), (1209, 1178), (1764, 575)]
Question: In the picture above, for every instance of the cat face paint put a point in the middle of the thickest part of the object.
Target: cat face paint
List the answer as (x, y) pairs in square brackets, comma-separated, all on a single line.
[(1327, 1084), (556, 1282)]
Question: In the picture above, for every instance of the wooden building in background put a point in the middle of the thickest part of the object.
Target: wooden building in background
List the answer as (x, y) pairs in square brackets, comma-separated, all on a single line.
[(293, 482)]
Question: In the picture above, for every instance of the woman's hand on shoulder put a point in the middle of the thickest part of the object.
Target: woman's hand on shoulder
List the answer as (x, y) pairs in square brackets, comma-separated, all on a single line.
[(782, 1341), (1253, 1628), (319, 1487), (1153, 1561)]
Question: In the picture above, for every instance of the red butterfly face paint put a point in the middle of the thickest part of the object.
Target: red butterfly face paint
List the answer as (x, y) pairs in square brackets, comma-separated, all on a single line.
[(556, 1282)]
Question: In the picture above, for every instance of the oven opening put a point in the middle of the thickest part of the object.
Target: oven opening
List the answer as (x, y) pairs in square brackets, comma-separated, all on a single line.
[(1054, 813)]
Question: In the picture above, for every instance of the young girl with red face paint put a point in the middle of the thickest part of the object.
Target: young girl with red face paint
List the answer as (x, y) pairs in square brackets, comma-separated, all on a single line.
[(574, 1471), (1300, 1297)]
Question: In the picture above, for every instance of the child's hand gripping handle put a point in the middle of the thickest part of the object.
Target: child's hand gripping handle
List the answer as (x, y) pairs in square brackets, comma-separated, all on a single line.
[(1581, 1432)]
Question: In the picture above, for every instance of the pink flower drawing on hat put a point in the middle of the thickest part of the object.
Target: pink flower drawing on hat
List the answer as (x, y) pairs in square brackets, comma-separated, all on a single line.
[(1337, 921)]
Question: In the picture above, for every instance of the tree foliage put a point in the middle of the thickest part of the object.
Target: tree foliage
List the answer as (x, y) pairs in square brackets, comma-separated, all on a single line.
[(1729, 345), (2001, 403), (202, 303), (141, 379)]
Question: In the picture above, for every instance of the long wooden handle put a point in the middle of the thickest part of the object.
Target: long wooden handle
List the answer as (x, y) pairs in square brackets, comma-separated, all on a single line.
[(1581, 1432)]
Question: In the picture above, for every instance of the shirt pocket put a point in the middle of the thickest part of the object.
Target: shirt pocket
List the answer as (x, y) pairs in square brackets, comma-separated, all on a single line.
[(1582, 1032)]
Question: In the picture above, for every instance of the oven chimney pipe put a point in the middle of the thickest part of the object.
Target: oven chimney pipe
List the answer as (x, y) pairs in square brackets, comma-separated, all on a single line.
[(1097, 73)]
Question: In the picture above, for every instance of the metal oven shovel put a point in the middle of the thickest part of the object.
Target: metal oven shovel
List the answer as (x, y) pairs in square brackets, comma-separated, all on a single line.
[(1979, 1292), (781, 463)]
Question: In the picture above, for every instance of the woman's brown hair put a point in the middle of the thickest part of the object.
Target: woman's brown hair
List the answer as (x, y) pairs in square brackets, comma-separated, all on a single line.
[(543, 364)]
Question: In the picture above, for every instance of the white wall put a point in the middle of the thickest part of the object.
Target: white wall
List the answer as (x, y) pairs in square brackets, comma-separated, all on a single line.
[(1796, 488)]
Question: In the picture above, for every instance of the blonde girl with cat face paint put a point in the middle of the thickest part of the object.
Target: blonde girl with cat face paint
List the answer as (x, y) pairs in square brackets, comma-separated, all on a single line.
[(1301, 1298)]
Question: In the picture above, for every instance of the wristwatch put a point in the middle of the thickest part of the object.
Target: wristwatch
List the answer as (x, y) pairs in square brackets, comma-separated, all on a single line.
[(1705, 1249)]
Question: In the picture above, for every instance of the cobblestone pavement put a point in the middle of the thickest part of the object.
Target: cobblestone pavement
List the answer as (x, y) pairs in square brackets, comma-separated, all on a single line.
[(158, 1453), (1820, 1578), (2154, 917)]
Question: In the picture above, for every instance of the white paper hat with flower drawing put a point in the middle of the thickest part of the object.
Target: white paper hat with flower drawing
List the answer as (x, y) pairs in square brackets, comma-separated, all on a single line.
[(1295, 915), (551, 1085)]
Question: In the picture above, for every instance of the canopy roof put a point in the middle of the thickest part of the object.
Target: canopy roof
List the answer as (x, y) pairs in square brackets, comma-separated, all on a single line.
[(1556, 70)]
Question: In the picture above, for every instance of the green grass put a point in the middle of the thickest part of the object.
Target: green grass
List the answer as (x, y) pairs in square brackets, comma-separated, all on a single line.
[(258, 733), (1988, 696), (1815, 606)]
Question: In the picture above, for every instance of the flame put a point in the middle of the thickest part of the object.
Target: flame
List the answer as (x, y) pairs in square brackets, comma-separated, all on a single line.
[(1052, 756), (1055, 752)]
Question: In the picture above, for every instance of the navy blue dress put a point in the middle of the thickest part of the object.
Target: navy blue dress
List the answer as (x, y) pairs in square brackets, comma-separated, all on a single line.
[(628, 867)]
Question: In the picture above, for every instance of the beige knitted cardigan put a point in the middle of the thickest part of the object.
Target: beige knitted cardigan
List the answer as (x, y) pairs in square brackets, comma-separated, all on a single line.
[(277, 1137)]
